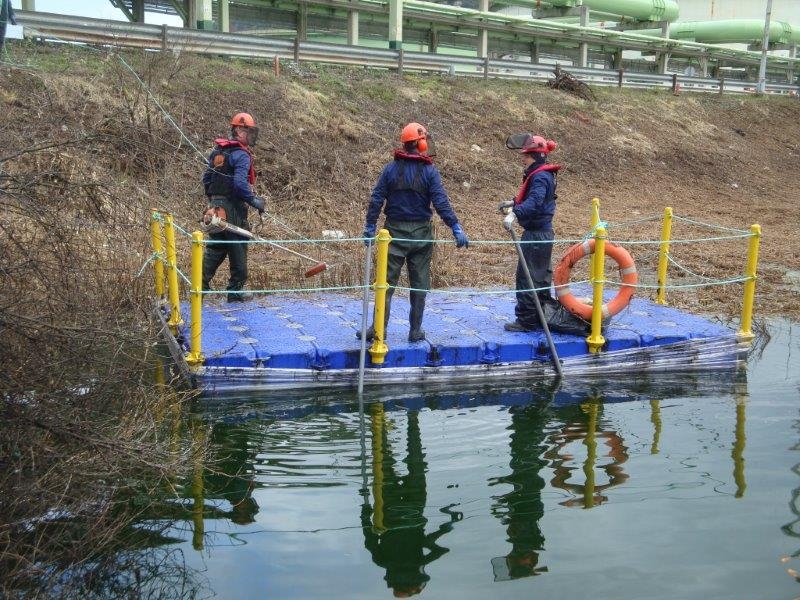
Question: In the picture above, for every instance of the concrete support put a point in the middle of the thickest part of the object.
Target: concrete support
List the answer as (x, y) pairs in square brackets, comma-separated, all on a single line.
[(663, 58), (28, 4), (137, 8), (704, 66), (204, 15), (302, 22), (395, 24), (483, 34), (535, 51), (790, 70), (433, 40), (583, 47), (224, 16), (352, 28)]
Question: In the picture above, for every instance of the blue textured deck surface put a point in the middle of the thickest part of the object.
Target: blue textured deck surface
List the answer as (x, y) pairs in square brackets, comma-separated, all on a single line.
[(318, 332)]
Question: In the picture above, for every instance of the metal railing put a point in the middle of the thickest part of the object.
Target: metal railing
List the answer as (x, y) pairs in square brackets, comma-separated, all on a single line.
[(162, 37)]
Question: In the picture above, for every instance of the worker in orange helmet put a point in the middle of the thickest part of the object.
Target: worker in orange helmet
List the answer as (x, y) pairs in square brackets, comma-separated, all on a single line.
[(228, 181), (407, 192), (533, 207)]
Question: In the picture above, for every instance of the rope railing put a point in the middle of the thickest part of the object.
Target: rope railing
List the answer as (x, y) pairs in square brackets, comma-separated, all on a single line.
[(163, 230)]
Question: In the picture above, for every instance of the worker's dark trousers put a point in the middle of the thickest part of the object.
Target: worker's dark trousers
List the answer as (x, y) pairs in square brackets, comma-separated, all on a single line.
[(237, 261), (416, 253), (538, 257)]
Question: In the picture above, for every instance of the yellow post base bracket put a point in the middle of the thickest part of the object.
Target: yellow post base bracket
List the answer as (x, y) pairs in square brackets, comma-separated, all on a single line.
[(379, 349)]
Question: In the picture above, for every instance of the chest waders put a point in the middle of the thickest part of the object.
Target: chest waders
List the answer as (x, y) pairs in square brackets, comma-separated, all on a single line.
[(412, 244)]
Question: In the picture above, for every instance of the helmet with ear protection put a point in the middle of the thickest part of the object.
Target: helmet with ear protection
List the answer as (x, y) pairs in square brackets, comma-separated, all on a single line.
[(243, 119), (414, 132), (537, 143)]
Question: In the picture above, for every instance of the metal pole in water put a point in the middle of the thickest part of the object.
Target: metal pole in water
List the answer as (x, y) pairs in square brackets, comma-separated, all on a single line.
[(553, 353), (364, 309)]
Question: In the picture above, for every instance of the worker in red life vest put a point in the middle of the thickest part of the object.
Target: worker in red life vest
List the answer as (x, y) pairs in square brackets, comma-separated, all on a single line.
[(533, 207), (407, 192), (228, 181)]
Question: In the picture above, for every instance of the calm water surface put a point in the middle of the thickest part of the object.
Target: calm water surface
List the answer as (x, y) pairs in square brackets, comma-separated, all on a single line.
[(679, 487)]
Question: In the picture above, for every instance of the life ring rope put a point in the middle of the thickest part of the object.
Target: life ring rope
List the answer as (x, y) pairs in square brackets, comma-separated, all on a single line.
[(627, 271)]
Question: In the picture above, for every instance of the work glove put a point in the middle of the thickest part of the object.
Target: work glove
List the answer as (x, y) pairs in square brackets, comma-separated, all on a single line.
[(259, 204), (509, 221), (369, 234), (462, 241), (504, 205)]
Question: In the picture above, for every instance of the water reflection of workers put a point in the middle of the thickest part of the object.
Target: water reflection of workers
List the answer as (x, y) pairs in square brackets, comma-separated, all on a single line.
[(521, 509), (231, 477), (583, 423), (394, 526)]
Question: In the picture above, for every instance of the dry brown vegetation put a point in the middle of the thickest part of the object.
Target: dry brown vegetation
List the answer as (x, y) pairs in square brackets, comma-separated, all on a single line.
[(87, 153)]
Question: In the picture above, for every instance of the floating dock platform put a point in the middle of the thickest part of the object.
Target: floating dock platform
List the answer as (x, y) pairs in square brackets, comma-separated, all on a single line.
[(299, 341)]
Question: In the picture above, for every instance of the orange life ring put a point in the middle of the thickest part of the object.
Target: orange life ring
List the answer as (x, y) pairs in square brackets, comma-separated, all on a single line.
[(627, 271)]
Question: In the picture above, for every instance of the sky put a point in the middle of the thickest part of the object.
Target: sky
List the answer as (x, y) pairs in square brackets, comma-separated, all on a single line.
[(98, 9)]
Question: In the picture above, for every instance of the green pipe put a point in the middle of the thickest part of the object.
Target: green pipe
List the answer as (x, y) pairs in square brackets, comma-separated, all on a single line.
[(641, 10), (734, 31)]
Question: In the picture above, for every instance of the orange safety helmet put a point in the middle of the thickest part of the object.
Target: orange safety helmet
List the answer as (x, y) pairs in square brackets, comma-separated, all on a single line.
[(414, 132), (537, 143), (243, 119)]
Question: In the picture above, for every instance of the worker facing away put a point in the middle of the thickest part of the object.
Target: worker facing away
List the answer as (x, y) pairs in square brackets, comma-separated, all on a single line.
[(407, 192), (533, 208), (228, 181)]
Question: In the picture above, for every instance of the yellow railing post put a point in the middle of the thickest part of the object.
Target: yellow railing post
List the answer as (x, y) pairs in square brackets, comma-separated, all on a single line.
[(378, 426), (175, 318), (158, 250), (195, 356), (199, 439), (595, 212), (745, 330), (655, 419), (591, 453), (738, 446), (597, 268), (379, 349), (663, 255)]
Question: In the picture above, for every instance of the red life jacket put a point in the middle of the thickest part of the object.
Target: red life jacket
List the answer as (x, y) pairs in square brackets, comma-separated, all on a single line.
[(523, 189), (420, 157), (227, 145)]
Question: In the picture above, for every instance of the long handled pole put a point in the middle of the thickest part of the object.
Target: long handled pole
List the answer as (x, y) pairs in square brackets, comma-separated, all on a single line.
[(539, 311), (364, 309), (216, 221)]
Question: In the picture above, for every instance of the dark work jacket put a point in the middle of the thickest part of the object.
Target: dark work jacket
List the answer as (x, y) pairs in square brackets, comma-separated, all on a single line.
[(228, 184), (411, 188), (537, 204)]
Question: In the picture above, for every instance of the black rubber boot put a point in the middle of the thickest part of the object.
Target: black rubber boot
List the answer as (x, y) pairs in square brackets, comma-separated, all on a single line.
[(371, 328), (415, 333), (243, 296), (370, 333)]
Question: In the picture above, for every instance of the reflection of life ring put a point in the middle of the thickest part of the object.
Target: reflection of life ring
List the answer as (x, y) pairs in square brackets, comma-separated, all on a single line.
[(627, 271)]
